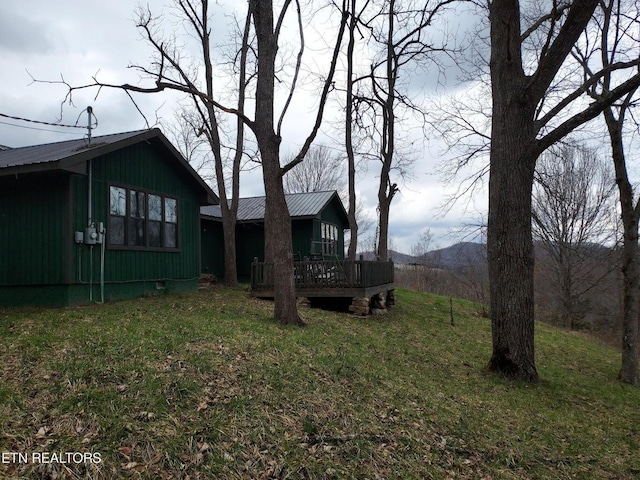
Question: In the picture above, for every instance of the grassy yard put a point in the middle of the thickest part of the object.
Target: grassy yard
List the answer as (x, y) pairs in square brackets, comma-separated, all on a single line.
[(205, 385)]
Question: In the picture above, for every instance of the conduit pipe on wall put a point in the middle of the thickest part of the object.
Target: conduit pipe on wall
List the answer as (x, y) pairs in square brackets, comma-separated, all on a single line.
[(102, 232)]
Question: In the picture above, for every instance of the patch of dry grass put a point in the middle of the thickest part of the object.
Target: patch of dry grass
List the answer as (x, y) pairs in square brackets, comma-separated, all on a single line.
[(205, 385)]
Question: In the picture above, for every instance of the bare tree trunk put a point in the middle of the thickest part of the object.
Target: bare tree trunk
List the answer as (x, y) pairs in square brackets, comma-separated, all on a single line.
[(386, 190), (229, 222), (229, 212), (278, 246), (630, 251), (509, 236), (230, 260), (630, 301), (351, 163), (566, 286), (384, 208), (382, 254), (511, 256), (515, 147)]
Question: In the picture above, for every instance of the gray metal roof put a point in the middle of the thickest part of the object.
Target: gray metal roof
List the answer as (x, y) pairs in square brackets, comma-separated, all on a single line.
[(301, 205), (52, 152), (71, 155)]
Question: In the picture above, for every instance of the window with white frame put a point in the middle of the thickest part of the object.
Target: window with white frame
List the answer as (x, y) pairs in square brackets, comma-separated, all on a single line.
[(329, 236)]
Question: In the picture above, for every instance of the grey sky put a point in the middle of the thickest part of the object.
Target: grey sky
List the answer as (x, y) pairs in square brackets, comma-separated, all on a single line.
[(77, 39)]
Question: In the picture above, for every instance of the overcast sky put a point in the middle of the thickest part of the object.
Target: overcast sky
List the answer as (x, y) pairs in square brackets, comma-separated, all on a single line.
[(77, 39)]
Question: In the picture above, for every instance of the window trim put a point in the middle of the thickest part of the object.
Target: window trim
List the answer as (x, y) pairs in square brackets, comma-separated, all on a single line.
[(329, 246), (127, 217)]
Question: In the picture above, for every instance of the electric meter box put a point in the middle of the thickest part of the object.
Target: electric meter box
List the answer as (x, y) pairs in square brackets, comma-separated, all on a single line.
[(90, 236)]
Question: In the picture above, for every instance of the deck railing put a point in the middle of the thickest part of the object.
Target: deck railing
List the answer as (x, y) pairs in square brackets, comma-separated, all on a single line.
[(318, 274)]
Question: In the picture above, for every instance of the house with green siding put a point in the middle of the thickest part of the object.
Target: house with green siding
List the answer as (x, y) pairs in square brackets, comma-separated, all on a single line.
[(88, 221), (318, 222)]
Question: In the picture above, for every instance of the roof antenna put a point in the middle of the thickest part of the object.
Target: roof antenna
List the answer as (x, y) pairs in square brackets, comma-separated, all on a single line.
[(89, 113)]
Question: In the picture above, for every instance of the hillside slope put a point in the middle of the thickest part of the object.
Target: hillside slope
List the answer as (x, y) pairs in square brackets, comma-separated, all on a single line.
[(206, 385)]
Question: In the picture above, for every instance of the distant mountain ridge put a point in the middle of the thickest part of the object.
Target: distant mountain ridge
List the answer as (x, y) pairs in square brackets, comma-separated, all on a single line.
[(455, 256), (465, 254)]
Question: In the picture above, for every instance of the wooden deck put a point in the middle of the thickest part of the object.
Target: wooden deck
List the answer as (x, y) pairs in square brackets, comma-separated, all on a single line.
[(327, 278)]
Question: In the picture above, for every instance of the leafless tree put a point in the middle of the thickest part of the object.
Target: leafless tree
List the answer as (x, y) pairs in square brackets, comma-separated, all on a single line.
[(171, 69), (278, 248), (529, 114), (168, 72), (321, 170), (573, 208), (400, 29), (364, 222), (355, 229), (617, 30), (183, 133), (421, 248)]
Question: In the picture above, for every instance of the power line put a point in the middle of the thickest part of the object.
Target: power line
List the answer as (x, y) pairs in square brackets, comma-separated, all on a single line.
[(39, 129), (41, 122)]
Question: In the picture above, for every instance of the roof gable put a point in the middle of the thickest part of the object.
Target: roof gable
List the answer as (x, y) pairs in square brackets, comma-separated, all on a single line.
[(301, 206), (72, 155)]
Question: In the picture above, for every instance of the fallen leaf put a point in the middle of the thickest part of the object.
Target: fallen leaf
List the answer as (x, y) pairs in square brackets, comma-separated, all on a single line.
[(129, 466), (125, 452)]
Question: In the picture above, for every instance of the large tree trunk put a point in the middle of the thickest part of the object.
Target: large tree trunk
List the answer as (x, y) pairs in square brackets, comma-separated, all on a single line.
[(511, 259), (512, 165), (278, 247), (630, 251), (515, 147)]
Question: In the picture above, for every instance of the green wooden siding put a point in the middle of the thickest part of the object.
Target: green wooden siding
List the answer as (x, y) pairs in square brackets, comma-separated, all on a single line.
[(212, 248), (143, 167), (40, 213), (250, 240), (301, 236), (249, 244), (33, 230)]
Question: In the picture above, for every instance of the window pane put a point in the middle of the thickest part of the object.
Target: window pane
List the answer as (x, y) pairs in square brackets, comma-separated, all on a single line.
[(170, 235), (155, 207), (136, 232), (116, 230), (170, 210), (117, 201), (154, 232), (137, 204)]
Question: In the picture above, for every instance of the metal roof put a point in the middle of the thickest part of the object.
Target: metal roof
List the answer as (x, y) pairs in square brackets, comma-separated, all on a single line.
[(71, 155), (52, 152), (301, 205)]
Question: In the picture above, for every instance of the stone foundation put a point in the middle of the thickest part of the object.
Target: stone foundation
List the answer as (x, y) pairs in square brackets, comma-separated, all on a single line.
[(360, 306), (375, 305), (207, 281)]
